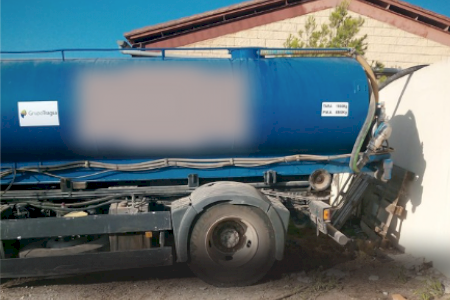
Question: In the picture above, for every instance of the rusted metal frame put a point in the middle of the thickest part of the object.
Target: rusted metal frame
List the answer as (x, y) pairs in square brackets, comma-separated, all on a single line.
[(393, 209)]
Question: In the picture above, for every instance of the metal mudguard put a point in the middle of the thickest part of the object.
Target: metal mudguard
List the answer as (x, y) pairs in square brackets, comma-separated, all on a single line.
[(185, 211)]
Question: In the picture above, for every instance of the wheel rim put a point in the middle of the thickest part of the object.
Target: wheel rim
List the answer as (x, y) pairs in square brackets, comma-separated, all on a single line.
[(231, 242)]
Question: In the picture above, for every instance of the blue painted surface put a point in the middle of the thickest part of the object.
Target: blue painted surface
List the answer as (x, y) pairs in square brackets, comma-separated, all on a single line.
[(284, 117), (92, 175)]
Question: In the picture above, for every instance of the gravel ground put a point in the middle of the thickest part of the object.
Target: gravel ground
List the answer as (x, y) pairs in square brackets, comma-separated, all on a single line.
[(313, 268)]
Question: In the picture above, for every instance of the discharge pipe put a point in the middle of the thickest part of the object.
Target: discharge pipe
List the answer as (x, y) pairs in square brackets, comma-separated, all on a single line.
[(336, 235)]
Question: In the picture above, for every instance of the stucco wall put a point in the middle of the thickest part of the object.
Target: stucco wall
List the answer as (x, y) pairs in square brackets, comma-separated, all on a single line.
[(419, 110), (388, 44)]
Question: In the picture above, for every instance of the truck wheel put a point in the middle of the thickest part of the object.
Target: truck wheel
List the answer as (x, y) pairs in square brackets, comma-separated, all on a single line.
[(232, 245)]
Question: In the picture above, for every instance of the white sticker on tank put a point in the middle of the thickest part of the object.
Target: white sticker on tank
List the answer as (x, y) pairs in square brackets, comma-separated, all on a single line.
[(334, 109), (38, 113)]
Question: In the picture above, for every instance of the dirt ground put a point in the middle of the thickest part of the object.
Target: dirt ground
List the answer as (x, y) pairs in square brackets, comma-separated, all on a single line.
[(313, 268)]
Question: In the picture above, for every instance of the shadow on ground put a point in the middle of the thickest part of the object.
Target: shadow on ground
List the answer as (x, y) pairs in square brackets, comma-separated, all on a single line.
[(176, 271), (305, 251)]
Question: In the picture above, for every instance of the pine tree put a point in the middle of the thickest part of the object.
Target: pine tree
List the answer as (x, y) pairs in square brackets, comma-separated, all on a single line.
[(340, 32)]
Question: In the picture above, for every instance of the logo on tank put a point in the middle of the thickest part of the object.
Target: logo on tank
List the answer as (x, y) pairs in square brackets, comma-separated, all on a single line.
[(38, 113)]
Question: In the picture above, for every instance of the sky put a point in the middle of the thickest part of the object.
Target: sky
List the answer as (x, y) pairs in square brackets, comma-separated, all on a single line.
[(55, 24)]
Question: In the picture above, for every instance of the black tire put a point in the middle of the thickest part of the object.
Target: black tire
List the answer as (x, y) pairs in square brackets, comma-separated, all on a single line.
[(232, 245)]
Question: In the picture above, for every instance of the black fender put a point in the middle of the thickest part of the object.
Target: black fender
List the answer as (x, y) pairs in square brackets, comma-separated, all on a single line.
[(185, 211)]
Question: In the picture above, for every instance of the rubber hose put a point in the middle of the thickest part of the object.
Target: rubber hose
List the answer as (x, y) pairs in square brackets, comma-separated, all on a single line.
[(362, 135), (370, 115), (399, 75), (370, 74), (372, 106)]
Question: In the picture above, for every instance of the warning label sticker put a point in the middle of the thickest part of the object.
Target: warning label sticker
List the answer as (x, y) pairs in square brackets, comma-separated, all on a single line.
[(334, 109), (38, 113)]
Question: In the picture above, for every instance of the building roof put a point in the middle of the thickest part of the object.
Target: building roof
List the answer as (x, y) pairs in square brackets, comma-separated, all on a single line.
[(254, 13)]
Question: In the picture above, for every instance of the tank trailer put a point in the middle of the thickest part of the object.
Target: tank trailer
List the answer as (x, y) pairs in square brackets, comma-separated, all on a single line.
[(110, 164)]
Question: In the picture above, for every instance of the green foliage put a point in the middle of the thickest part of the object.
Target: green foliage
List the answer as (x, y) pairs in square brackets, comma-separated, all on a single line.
[(322, 282), (293, 230), (432, 289), (340, 32), (379, 67), (402, 275)]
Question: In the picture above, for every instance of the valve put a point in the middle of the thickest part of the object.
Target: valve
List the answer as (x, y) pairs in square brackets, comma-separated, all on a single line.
[(382, 133)]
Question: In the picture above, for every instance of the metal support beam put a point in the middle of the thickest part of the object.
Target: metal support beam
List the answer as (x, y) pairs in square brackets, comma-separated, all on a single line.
[(193, 181), (270, 177), (84, 263), (96, 224), (351, 200)]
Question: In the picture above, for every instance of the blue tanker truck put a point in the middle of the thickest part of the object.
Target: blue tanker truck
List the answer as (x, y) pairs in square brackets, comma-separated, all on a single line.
[(122, 163)]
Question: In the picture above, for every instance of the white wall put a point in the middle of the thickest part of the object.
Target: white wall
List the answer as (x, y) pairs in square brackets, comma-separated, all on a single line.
[(421, 138)]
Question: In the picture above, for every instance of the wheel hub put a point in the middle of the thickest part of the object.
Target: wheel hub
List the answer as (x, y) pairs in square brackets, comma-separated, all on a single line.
[(229, 238), (231, 242)]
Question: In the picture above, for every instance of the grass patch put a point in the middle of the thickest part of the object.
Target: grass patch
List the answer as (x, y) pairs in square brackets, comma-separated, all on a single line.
[(431, 289), (294, 231), (402, 276), (321, 284)]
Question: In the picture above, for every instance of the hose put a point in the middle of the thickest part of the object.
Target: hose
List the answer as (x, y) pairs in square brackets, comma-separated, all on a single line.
[(77, 204), (400, 74), (178, 162), (12, 181), (372, 106), (65, 209), (371, 75), (374, 97), (362, 136)]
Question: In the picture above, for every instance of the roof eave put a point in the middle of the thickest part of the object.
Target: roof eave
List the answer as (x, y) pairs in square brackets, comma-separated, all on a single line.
[(235, 14)]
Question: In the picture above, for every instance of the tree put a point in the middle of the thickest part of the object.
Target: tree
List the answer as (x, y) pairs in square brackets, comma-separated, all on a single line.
[(340, 32)]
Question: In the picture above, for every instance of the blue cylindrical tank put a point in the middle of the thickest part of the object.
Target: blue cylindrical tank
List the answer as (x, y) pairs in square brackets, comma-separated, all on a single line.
[(144, 108)]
